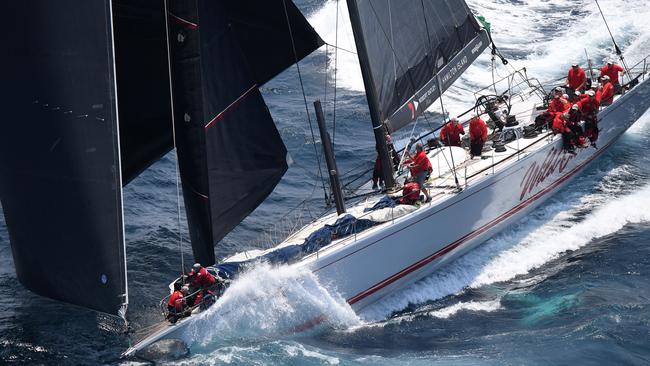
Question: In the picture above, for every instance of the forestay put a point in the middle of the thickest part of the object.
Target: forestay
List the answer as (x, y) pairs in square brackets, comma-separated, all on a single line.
[(416, 50)]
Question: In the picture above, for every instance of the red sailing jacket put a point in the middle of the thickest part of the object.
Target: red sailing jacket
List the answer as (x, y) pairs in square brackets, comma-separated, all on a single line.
[(608, 93), (558, 105), (612, 72), (203, 279), (477, 130), (576, 78), (450, 135), (589, 107), (559, 124), (420, 163), (176, 301), (410, 193)]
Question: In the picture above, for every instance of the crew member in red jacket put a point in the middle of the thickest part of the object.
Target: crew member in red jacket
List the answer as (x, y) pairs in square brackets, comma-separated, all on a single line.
[(558, 104), (576, 79), (607, 95), (478, 132), (177, 302), (450, 133), (201, 281), (612, 69), (561, 125), (589, 107), (420, 166)]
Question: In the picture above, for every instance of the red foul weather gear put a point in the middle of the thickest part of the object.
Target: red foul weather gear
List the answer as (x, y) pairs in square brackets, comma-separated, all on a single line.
[(450, 135), (176, 301), (607, 97), (611, 71), (203, 279), (410, 193), (558, 105), (478, 130), (576, 78), (420, 163)]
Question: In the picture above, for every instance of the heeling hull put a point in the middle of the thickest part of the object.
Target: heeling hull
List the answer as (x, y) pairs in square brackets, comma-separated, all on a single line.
[(366, 268)]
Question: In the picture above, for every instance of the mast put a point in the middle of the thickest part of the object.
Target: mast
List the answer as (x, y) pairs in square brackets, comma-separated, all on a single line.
[(371, 95), (335, 183)]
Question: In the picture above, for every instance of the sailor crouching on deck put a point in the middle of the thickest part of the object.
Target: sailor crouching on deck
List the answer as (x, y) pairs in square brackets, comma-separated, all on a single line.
[(420, 168), (177, 303), (589, 107), (561, 124), (450, 133), (202, 283), (478, 133)]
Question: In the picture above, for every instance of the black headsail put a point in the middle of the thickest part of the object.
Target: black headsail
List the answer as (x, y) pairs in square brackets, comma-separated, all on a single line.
[(230, 153), (415, 50), (60, 181)]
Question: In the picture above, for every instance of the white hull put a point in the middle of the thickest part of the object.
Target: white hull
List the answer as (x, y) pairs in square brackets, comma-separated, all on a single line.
[(365, 267), (394, 255)]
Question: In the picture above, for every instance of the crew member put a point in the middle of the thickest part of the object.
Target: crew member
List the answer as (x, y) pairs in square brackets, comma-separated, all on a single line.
[(558, 104), (420, 168), (478, 132), (561, 125), (576, 79), (589, 107), (575, 117), (201, 281), (450, 133), (612, 69), (607, 95), (177, 302), (410, 193)]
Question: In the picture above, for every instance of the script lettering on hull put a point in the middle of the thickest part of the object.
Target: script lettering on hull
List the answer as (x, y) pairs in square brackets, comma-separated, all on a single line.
[(556, 161)]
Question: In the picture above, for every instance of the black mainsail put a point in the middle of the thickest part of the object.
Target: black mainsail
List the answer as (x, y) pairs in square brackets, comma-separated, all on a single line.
[(230, 153), (414, 51)]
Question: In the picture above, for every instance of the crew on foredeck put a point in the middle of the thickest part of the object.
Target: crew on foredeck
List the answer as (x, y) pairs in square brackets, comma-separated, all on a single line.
[(450, 133), (420, 167), (202, 283), (177, 302), (478, 133)]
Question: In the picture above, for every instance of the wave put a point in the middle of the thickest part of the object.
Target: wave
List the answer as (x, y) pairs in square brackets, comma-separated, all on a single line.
[(266, 303)]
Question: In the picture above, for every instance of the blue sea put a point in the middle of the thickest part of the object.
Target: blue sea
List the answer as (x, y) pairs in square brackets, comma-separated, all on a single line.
[(567, 285)]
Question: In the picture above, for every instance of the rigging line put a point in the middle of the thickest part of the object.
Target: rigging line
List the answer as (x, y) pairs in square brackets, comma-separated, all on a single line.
[(177, 172), (618, 50), (451, 152), (336, 67), (304, 96), (340, 48)]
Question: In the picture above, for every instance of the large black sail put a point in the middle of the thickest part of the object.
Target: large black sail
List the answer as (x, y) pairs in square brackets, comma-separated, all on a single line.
[(142, 73), (230, 153), (415, 50), (60, 183)]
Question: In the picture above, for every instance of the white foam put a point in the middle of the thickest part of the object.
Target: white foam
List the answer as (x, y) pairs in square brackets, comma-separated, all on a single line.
[(268, 302), (485, 306)]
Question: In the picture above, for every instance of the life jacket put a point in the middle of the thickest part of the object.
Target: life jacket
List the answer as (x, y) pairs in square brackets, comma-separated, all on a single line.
[(410, 193)]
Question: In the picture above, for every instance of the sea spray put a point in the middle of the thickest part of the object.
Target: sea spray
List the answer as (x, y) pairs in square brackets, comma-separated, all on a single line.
[(269, 302)]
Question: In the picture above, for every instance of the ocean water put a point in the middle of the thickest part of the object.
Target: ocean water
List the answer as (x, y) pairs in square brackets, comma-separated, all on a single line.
[(567, 285)]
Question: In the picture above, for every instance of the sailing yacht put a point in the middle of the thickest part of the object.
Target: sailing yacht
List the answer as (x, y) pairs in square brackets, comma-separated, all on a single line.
[(90, 115)]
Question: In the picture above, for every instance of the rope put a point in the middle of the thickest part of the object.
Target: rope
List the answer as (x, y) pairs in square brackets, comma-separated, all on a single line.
[(304, 96), (336, 67), (451, 152), (177, 175), (618, 50)]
